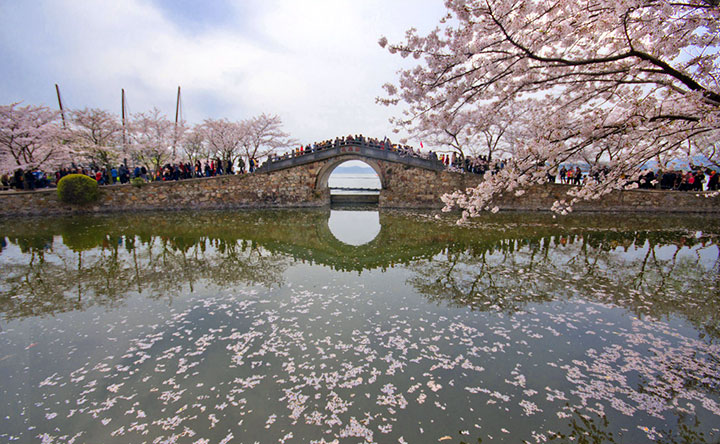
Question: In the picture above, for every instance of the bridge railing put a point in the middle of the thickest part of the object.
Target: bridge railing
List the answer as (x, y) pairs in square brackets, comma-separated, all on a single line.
[(364, 148)]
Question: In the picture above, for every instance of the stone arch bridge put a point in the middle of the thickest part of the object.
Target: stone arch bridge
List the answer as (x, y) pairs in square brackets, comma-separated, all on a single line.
[(406, 181)]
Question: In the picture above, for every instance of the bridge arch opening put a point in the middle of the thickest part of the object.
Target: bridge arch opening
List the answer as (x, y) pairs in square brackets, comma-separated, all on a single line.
[(353, 177), (351, 173)]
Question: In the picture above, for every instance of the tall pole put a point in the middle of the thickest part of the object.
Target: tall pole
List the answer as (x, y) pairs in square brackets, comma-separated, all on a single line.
[(177, 107), (122, 101), (62, 112), (177, 114)]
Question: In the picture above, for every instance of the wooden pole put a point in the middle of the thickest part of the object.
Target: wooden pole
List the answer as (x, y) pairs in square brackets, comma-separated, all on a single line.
[(122, 105), (177, 114), (177, 107), (62, 112)]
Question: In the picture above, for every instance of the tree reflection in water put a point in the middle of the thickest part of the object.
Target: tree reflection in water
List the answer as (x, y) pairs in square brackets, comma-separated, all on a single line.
[(56, 277), (655, 274), (652, 266)]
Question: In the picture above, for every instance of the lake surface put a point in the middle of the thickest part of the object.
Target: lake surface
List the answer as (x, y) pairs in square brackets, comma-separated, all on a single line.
[(343, 183), (389, 327)]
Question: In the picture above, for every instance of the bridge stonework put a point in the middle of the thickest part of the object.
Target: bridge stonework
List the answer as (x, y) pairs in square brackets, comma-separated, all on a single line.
[(406, 182), (420, 188)]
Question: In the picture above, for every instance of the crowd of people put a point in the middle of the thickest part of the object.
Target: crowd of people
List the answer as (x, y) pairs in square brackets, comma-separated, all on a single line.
[(384, 144), (572, 176), (31, 179), (28, 179), (696, 179), (477, 165)]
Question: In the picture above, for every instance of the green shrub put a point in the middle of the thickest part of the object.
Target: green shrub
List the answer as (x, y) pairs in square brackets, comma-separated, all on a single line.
[(137, 182), (78, 189)]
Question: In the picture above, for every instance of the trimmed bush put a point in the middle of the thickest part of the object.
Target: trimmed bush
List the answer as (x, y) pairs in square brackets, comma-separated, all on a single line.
[(78, 189), (137, 182)]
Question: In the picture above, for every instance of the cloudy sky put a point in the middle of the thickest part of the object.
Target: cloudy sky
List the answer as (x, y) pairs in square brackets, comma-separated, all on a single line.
[(316, 63)]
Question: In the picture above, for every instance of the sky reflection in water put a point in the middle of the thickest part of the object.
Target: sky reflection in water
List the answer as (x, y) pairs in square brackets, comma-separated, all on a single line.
[(354, 227), (263, 326)]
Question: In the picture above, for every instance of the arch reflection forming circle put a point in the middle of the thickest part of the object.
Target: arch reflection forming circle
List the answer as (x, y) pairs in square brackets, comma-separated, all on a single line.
[(354, 227)]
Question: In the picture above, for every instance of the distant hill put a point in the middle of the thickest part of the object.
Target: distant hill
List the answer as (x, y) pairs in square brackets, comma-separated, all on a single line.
[(353, 170)]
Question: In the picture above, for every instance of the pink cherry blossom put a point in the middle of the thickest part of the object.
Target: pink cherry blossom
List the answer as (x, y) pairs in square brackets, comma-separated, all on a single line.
[(31, 137), (600, 82), (97, 135)]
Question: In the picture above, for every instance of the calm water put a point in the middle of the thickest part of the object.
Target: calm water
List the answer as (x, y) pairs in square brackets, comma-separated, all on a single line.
[(356, 180), (312, 326)]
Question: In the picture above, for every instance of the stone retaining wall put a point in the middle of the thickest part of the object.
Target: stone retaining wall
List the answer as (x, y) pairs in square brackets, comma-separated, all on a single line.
[(295, 187), (285, 189), (645, 201), (419, 188)]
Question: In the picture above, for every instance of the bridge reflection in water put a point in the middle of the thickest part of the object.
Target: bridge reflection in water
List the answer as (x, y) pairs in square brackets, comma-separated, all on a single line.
[(354, 227)]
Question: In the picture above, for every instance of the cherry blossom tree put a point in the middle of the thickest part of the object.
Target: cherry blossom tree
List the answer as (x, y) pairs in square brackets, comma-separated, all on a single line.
[(263, 135), (457, 134), (711, 152), (95, 133), (223, 138), (152, 136), (618, 82), (468, 133), (30, 137), (193, 145)]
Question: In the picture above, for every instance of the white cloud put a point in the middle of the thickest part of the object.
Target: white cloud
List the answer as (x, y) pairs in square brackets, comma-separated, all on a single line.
[(315, 63)]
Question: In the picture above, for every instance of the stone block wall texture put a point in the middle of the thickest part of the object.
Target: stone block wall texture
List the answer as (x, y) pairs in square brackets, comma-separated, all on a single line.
[(542, 197), (290, 188), (409, 187), (406, 187)]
